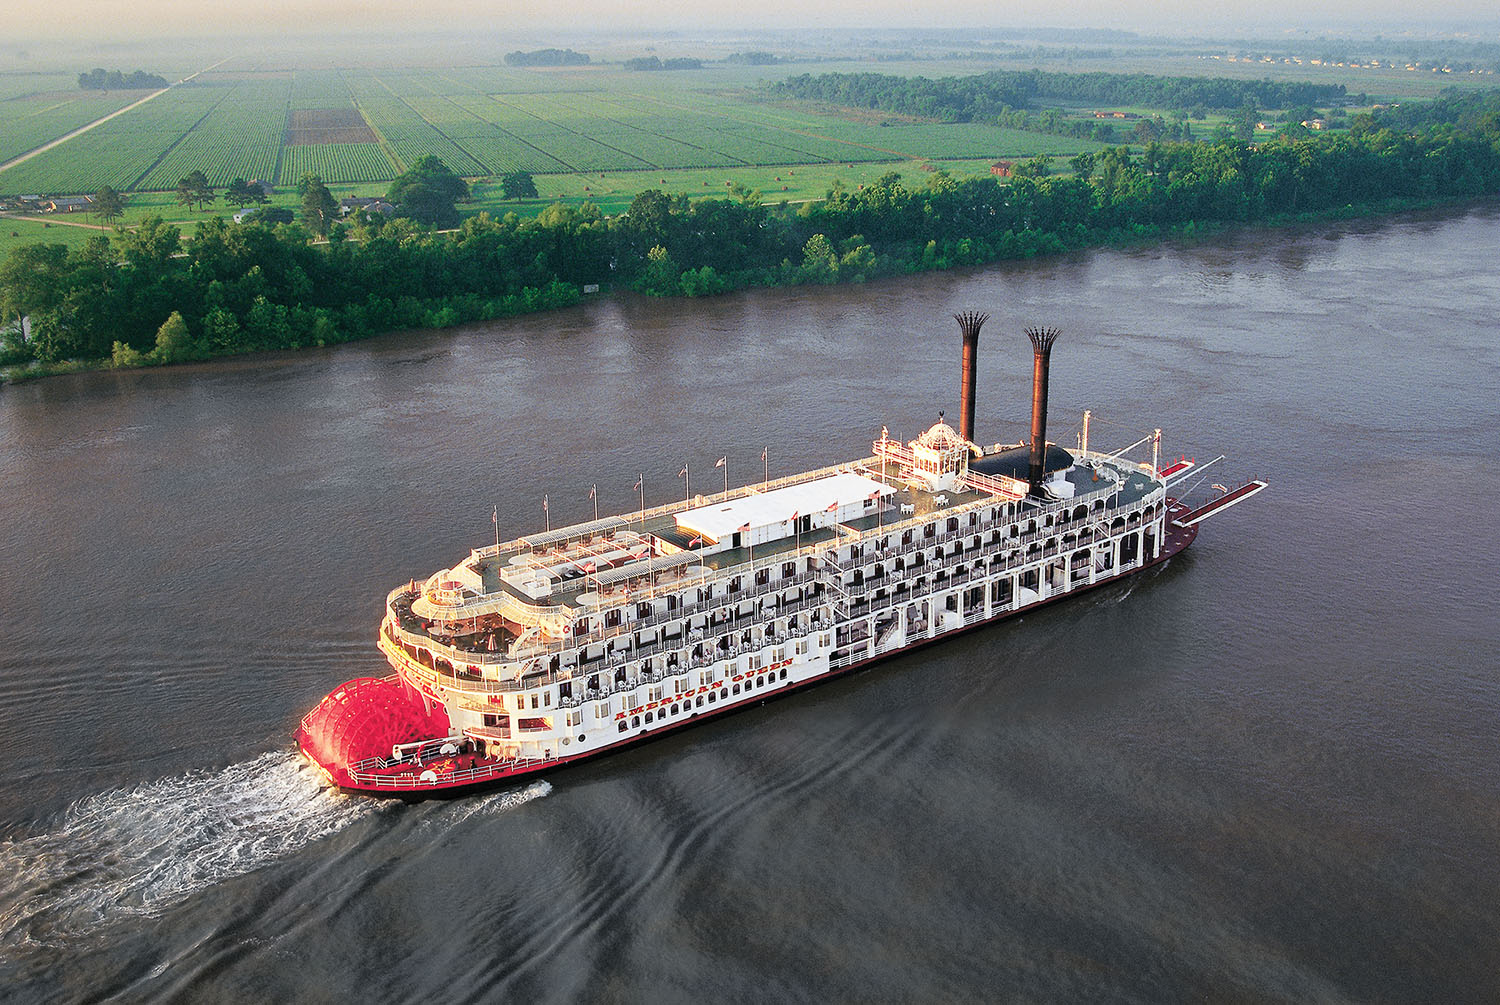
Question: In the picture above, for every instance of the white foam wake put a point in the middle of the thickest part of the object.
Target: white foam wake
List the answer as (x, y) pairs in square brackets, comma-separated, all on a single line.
[(137, 851)]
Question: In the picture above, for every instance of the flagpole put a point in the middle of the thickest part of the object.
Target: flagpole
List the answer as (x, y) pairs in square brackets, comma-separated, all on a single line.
[(687, 491), (594, 495), (766, 485), (546, 515), (640, 483), (495, 517)]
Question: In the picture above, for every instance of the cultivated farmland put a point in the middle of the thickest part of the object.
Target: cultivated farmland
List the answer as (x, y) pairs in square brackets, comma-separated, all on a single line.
[(366, 126)]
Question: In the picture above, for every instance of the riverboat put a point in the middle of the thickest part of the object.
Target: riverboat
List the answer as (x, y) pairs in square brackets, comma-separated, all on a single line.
[(582, 640)]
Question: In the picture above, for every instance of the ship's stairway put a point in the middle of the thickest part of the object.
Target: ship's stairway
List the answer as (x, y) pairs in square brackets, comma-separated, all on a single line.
[(833, 581), (889, 637)]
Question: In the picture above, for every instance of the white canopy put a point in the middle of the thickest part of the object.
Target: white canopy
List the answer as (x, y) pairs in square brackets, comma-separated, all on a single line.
[(826, 500)]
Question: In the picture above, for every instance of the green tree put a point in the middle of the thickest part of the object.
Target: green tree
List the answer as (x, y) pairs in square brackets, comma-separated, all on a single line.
[(1243, 123), (108, 204), (174, 344), (195, 190), (242, 193), (33, 281), (427, 193), (319, 209), (518, 185), (221, 331), (819, 262)]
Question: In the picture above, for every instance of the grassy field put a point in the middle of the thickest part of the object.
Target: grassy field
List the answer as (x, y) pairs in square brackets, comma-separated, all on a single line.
[(592, 134), (481, 121)]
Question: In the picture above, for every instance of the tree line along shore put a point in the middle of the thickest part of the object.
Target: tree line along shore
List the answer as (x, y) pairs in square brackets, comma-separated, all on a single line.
[(148, 296)]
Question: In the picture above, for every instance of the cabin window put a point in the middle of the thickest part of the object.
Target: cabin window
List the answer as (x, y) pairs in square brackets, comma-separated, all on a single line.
[(783, 673)]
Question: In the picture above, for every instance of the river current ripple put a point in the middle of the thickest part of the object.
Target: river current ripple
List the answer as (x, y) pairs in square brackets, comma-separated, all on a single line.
[(1266, 770)]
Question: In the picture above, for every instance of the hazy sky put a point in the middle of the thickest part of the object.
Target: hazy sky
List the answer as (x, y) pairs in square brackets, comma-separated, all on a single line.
[(103, 19)]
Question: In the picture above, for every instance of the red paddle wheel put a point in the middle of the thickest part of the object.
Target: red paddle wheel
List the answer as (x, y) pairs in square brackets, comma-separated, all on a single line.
[(363, 718)]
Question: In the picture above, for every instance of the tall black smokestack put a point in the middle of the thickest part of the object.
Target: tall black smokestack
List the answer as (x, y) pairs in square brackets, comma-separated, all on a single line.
[(969, 323), (1041, 347)]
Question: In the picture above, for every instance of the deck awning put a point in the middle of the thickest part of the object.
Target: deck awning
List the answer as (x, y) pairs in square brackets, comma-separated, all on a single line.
[(840, 497), (575, 532), (646, 566)]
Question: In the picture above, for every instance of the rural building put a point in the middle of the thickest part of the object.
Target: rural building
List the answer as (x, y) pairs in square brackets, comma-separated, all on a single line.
[(69, 204), (246, 214), (369, 204), (1002, 169)]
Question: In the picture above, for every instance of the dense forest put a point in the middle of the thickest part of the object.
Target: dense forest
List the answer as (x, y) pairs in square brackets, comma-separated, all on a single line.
[(965, 99), (99, 79), (149, 296), (546, 57)]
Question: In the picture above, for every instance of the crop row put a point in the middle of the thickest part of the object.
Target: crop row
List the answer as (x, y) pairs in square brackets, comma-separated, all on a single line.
[(336, 163), (410, 135), (85, 163), (319, 89), (26, 125)]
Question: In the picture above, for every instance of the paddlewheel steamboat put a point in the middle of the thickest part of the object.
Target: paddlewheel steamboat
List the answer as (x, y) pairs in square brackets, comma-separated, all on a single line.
[(580, 640)]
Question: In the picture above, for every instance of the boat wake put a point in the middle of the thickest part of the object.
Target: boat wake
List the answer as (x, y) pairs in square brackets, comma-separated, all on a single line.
[(135, 852)]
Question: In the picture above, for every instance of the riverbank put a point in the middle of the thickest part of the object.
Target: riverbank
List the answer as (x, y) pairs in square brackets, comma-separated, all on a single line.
[(16, 372)]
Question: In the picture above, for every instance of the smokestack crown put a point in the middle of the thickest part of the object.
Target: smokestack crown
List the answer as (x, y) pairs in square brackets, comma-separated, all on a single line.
[(969, 323), (1041, 346)]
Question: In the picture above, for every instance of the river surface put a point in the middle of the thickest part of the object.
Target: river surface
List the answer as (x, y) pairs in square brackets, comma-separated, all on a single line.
[(1266, 770)]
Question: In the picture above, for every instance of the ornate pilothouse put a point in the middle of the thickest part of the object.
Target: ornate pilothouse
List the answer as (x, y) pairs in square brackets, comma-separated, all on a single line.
[(938, 459), (578, 640)]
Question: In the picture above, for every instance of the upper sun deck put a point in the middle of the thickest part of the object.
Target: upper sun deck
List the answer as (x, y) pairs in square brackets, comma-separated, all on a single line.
[(531, 590)]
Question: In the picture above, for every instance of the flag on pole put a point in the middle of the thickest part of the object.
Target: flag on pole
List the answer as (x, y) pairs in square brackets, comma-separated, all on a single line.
[(721, 461), (544, 503), (742, 528), (495, 517), (683, 472), (833, 506), (637, 485), (763, 453), (696, 541), (593, 492), (795, 515)]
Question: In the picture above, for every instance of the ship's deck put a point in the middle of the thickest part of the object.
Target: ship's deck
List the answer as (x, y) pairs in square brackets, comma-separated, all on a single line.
[(911, 503)]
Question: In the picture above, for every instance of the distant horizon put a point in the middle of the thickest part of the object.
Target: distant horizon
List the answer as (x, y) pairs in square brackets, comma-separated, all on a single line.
[(91, 25)]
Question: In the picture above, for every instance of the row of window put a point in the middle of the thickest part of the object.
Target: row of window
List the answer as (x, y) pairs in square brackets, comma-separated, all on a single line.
[(701, 701)]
